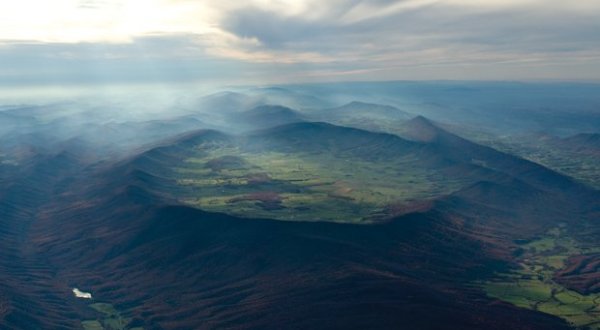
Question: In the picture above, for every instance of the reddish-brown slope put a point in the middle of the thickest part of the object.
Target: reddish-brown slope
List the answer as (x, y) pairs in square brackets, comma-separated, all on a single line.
[(582, 274)]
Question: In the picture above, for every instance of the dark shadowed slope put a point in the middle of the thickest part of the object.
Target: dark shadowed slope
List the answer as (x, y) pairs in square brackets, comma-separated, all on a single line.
[(30, 295), (177, 267)]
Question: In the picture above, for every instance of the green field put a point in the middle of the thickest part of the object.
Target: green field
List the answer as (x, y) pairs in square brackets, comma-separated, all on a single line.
[(304, 186), (532, 286), (109, 318)]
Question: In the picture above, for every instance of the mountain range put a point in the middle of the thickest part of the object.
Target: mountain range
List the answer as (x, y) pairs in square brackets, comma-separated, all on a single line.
[(320, 219)]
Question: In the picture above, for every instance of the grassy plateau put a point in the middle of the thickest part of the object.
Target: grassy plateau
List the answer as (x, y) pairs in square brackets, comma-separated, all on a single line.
[(304, 186)]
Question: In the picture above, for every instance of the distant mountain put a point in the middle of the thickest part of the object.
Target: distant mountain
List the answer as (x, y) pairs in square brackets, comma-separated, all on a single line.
[(324, 137), (288, 97), (362, 109), (368, 116), (230, 102), (266, 116), (226, 102)]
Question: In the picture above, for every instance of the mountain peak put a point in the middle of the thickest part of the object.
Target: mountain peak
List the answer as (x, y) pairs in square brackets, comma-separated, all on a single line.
[(420, 129), (421, 120)]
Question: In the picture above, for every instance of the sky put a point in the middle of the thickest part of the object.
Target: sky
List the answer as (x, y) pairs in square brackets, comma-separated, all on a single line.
[(288, 41)]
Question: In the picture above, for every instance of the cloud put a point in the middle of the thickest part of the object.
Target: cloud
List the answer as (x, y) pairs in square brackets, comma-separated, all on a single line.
[(380, 35), (309, 39), (385, 27)]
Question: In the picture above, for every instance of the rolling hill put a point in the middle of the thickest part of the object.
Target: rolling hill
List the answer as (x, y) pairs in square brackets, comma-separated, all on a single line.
[(379, 230)]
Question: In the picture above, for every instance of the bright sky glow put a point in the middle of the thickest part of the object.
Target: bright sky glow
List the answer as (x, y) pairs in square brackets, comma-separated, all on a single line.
[(102, 20)]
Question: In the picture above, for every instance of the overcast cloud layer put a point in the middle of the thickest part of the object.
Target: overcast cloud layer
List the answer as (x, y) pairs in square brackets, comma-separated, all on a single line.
[(266, 41)]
